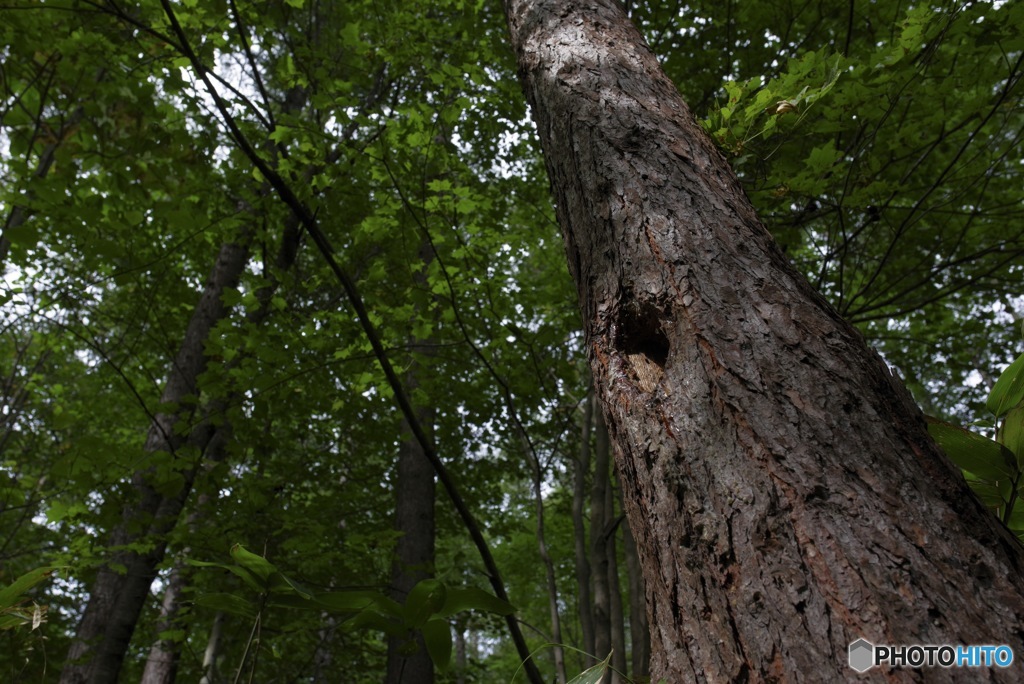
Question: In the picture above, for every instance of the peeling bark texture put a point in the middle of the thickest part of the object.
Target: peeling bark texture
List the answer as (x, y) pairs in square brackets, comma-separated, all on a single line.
[(780, 482)]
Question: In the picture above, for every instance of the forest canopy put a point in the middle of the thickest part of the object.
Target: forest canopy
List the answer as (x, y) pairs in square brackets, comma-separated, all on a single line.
[(239, 235)]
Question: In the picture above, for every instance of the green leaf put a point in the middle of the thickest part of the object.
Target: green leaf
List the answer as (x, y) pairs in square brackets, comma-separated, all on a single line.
[(985, 458), (257, 565), (14, 593), (356, 601), (13, 620), (473, 598), (1008, 390), (1011, 434), (595, 674), (437, 635), (424, 601), (371, 619), (229, 603)]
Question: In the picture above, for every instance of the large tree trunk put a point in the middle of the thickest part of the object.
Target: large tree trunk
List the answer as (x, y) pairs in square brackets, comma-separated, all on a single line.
[(784, 493)]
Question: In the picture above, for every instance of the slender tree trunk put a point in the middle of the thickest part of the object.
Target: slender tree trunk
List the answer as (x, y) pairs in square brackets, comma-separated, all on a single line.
[(580, 470), (639, 631), (460, 647), (164, 654), (409, 663), (549, 567), (212, 651), (784, 492), (616, 621), (324, 667), (121, 587), (598, 551)]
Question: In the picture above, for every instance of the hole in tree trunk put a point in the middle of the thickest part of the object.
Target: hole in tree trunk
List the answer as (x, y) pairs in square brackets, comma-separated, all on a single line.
[(639, 331)]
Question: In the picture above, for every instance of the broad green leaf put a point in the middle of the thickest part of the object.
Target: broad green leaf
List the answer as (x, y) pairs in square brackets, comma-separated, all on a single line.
[(985, 458), (257, 565), (424, 600), (1016, 521), (593, 675), (1008, 390), (14, 592), (229, 603), (355, 601), (1011, 434), (293, 601), (373, 620), (282, 584), (13, 620), (437, 635), (473, 598)]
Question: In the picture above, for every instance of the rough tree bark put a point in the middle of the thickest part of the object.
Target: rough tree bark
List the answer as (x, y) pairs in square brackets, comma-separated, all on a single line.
[(780, 482)]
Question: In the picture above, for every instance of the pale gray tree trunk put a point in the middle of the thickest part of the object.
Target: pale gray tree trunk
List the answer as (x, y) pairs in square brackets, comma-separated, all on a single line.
[(212, 651), (783, 490)]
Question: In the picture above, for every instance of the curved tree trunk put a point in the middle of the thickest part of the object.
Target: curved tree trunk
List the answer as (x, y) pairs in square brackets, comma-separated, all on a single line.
[(165, 654), (116, 598), (783, 490), (117, 595)]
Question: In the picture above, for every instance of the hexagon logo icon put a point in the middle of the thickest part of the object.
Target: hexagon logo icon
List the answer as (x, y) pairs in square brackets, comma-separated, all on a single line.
[(862, 654)]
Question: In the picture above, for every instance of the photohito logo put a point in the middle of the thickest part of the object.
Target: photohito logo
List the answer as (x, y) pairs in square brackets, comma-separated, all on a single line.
[(864, 655)]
